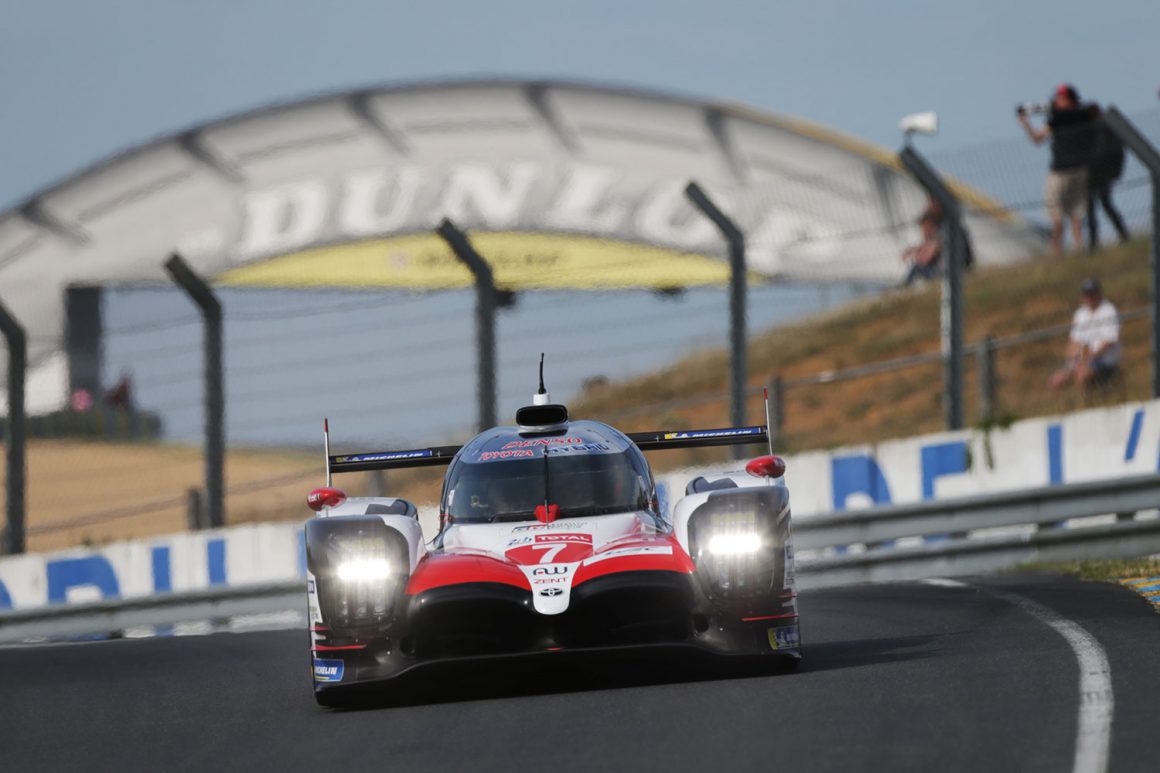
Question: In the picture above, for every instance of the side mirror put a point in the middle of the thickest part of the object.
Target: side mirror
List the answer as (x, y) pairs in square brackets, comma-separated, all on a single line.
[(766, 467), (323, 497)]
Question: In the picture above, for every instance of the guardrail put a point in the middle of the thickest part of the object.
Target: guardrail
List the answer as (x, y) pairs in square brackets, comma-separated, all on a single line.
[(849, 547), (114, 616), (864, 549)]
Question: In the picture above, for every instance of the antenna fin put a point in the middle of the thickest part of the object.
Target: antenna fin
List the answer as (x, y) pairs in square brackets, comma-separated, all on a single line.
[(326, 449), (768, 424), (541, 397)]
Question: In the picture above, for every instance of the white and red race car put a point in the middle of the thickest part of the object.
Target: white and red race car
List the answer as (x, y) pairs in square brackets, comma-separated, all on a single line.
[(550, 539)]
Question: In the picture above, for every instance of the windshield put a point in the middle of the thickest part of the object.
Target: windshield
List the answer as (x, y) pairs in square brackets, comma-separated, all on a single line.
[(581, 484)]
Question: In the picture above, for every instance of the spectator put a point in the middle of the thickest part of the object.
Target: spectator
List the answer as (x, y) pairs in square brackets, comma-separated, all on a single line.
[(121, 395), (1093, 350), (1070, 128), (1106, 167), (81, 400), (923, 258)]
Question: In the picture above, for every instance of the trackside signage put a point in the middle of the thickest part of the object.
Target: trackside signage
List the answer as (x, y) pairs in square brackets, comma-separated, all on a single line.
[(253, 553), (1089, 445), (529, 196)]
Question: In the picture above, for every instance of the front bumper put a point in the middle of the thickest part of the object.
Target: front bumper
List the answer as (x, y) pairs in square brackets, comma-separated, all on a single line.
[(619, 612)]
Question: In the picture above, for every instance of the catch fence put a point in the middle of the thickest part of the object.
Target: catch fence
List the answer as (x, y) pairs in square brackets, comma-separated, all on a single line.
[(394, 367)]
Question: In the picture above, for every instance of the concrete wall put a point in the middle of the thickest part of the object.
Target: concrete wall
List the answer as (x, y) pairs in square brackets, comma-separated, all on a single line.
[(1087, 445)]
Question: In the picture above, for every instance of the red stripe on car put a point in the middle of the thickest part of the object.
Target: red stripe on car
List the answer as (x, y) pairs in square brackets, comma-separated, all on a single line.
[(441, 569), (768, 617), (677, 560)]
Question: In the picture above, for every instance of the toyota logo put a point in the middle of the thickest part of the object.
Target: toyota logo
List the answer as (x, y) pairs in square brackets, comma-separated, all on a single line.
[(551, 591)]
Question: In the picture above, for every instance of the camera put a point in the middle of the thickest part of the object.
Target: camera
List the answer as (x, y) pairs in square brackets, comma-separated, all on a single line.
[(1033, 108), (920, 123)]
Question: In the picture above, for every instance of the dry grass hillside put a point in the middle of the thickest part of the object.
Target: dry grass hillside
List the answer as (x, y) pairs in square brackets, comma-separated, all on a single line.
[(999, 302), (74, 487), (81, 492)]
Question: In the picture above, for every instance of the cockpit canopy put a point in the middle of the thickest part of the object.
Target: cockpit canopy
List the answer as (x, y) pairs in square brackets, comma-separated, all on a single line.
[(588, 469)]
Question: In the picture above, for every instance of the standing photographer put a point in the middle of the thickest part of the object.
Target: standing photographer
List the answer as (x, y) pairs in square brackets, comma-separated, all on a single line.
[(1107, 166), (1070, 128)]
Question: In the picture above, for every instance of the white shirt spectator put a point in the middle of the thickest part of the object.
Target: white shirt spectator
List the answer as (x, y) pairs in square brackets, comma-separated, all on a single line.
[(1095, 327)]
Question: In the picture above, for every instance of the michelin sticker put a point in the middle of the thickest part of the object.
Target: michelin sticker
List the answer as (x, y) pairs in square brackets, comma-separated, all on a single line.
[(328, 670), (390, 456), (783, 638)]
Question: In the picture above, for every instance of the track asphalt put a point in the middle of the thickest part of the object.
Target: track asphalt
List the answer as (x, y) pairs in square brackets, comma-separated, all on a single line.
[(908, 676)]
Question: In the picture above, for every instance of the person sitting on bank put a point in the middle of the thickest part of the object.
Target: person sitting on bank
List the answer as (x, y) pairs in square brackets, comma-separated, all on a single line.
[(924, 256), (1093, 349)]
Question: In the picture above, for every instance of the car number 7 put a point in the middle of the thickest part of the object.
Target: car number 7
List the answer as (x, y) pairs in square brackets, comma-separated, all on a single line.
[(550, 551)]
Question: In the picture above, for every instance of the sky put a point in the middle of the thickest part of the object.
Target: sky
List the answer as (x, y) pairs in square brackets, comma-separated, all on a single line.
[(81, 80)]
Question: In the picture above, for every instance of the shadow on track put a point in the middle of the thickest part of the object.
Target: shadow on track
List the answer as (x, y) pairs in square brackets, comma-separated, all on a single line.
[(583, 672), (558, 673), (833, 655)]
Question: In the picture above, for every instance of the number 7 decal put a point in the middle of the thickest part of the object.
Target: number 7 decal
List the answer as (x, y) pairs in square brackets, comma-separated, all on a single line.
[(550, 551)]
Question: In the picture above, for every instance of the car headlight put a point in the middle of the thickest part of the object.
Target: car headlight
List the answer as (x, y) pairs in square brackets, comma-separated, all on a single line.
[(363, 570), (360, 566), (735, 544)]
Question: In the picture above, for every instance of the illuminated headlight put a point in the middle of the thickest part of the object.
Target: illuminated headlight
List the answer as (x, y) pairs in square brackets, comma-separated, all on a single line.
[(735, 548), (363, 570), (734, 544)]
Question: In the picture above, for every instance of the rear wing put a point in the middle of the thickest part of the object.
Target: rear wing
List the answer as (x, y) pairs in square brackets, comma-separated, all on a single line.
[(646, 441), (393, 460)]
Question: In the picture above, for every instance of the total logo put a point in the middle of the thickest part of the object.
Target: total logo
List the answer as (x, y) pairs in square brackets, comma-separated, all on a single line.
[(550, 592)]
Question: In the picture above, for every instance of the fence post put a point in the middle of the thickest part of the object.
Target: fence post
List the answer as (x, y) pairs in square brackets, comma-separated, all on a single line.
[(951, 321), (83, 338), (14, 437), (485, 305), (737, 293), (776, 411), (211, 312), (986, 362), (194, 510), (1150, 158)]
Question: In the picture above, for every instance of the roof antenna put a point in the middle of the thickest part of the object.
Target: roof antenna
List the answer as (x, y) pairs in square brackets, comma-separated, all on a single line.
[(541, 397), (326, 450)]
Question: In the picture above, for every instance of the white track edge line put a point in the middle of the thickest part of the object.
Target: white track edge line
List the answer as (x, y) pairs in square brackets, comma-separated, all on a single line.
[(1096, 699)]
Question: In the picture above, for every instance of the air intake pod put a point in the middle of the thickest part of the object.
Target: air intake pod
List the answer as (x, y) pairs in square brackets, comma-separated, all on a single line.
[(542, 419)]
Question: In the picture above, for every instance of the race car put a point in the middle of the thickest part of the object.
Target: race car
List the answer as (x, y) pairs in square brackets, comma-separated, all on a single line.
[(550, 538)]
